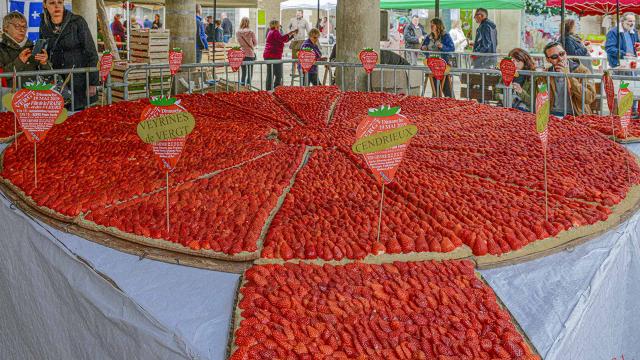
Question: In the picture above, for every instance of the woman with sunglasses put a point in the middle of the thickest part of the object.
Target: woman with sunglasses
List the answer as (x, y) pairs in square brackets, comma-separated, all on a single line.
[(573, 87)]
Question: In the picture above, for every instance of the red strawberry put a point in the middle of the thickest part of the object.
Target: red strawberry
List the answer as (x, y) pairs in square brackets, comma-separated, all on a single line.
[(175, 60), (106, 63), (307, 59), (369, 59), (37, 107), (439, 68), (508, 70), (235, 57), (168, 150)]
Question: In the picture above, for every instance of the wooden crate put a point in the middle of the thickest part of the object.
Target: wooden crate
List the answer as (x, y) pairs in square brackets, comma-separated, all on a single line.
[(138, 80), (150, 46)]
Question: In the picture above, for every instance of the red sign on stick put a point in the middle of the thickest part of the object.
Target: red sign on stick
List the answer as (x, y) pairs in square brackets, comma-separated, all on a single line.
[(235, 57), (37, 107), (438, 67), (307, 59), (382, 138), (609, 91), (369, 59), (175, 60), (106, 62), (508, 70), (165, 125)]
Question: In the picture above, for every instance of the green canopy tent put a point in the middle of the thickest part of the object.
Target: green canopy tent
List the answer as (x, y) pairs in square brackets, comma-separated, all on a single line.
[(451, 4)]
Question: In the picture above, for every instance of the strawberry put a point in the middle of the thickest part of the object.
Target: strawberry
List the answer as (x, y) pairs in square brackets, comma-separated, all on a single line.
[(37, 107), (175, 60), (369, 59), (508, 70), (307, 59), (439, 68), (235, 57)]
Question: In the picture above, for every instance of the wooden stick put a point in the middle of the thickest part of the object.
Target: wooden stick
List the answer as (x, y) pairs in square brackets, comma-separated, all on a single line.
[(15, 118), (167, 202), (546, 193), (613, 129), (380, 215), (35, 162)]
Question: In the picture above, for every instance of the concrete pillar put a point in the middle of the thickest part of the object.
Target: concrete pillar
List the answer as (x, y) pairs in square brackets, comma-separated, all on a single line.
[(88, 10), (509, 23), (357, 27), (181, 21)]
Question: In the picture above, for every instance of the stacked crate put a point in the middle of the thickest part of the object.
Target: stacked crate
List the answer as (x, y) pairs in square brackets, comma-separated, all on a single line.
[(158, 83), (149, 46), (220, 55)]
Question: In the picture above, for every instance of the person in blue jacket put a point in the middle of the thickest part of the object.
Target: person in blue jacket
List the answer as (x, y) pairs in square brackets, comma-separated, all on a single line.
[(440, 42), (201, 35), (486, 40), (628, 38)]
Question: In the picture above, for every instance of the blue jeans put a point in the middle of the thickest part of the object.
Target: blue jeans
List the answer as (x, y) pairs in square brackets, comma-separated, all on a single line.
[(226, 38), (247, 71), (198, 56)]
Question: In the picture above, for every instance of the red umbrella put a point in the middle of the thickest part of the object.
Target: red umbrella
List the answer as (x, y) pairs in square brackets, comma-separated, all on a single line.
[(597, 7)]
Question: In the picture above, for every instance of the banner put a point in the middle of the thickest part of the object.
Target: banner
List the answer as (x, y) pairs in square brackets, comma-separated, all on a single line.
[(31, 9)]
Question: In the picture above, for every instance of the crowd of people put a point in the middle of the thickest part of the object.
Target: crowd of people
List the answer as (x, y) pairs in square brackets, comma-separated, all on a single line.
[(69, 44)]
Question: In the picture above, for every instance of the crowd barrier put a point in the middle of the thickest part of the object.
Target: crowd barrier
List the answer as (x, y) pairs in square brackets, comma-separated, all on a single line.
[(483, 85), (478, 84), (65, 80)]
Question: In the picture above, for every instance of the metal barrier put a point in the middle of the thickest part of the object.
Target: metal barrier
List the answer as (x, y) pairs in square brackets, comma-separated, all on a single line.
[(66, 82), (466, 59), (482, 85)]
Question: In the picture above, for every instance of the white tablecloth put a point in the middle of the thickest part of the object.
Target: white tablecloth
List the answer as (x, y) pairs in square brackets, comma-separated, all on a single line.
[(579, 304)]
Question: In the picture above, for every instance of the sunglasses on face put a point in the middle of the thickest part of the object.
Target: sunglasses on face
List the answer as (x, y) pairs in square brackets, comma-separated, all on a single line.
[(557, 56)]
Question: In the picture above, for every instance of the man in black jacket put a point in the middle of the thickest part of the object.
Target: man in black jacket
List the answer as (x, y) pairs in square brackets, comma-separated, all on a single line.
[(227, 28), (486, 40), (413, 36), (70, 45)]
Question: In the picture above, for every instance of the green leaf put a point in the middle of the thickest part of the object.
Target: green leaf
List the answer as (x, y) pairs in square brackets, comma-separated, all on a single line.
[(38, 86), (624, 85), (163, 101), (542, 117), (177, 49), (383, 111), (542, 88), (306, 49), (368, 49), (106, 52), (625, 103), (236, 48)]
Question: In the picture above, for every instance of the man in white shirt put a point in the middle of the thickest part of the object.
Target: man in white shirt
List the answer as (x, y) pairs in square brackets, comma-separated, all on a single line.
[(298, 23)]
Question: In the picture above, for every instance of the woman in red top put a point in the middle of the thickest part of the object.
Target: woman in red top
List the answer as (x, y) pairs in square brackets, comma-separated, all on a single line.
[(273, 51)]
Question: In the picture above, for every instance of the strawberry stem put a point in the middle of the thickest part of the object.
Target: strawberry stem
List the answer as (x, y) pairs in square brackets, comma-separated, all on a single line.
[(384, 111)]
